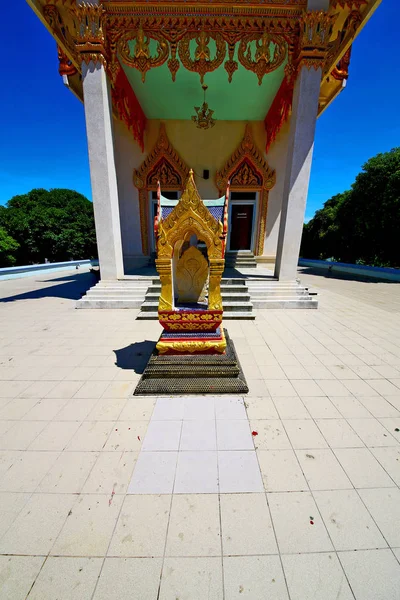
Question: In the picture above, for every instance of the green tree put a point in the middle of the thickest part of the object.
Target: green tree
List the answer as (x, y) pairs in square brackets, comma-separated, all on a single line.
[(363, 224), (57, 225), (8, 248)]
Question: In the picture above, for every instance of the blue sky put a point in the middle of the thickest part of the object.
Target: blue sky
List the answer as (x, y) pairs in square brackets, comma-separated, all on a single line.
[(43, 139)]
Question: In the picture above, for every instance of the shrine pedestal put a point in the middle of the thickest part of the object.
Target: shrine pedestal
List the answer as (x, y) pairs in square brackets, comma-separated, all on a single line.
[(193, 373)]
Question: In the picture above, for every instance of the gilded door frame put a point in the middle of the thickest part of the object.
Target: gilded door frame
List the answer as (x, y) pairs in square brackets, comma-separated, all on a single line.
[(248, 171), (163, 164)]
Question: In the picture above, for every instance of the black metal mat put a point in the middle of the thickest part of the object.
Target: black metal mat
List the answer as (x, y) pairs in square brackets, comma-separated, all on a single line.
[(193, 374)]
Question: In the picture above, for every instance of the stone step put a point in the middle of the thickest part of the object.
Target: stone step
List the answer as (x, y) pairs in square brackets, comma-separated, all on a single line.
[(286, 303), (125, 283), (149, 306), (274, 293), (153, 315), (226, 296), (239, 288), (108, 303), (116, 293)]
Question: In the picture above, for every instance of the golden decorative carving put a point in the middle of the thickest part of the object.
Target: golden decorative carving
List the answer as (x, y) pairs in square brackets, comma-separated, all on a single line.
[(66, 67), (191, 326), (162, 163), (191, 275), (341, 71), (202, 62), (164, 268), (266, 59), (315, 35), (139, 55), (192, 347), (90, 37), (190, 216), (176, 33), (247, 169), (214, 284), (343, 40), (62, 35), (246, 176), (348, 3)]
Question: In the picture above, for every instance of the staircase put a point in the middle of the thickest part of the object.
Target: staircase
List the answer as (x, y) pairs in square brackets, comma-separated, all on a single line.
[(271, 293), (125, 293), (235, 300), (239, 296), (243, 259)]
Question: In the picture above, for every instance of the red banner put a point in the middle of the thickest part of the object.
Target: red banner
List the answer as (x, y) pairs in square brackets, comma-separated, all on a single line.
[(279, 112), (128, 107)]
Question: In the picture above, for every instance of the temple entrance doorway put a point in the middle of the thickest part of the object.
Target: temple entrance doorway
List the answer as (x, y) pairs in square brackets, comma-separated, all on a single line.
[(241, 222)]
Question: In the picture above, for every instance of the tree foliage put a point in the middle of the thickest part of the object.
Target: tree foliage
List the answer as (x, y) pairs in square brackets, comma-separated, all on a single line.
[(56, 225), (361, 225), (8, 247)]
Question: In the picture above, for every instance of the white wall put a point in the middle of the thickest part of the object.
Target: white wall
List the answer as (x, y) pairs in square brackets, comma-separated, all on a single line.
[(128, 156), (200, 150)]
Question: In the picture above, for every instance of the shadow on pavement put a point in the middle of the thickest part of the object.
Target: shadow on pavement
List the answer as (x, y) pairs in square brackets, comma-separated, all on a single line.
[(135, 356), (342, 276), (72, 287)]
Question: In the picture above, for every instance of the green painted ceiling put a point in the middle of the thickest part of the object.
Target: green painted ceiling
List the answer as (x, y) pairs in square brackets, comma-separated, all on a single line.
[(242, 99)]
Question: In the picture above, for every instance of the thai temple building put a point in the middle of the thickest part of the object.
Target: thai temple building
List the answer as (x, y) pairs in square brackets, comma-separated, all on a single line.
[(231, 90)]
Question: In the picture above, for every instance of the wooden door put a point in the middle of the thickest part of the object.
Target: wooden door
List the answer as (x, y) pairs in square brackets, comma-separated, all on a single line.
[(241, 226)]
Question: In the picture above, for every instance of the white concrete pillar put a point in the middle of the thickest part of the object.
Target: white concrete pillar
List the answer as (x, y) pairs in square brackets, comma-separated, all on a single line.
[(298, 167), (98, 113)]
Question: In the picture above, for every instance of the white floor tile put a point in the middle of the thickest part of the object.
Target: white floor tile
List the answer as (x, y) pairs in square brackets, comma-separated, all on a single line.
[(168, 409), (17, 575), (196, 473), (234, 435), (348, 521), (122, 578), (281, 471), (322, 470), (198, 435), (362, 468), (67, 578), (246, 525), (260, 408), (201, 408), (320, 407), (239, 472), (373, 433), (141, 528), (304, 434), (254, 578), (384, 506), (292, 514), (194, 526), (154, 473), (271, 435), (339, 434), (230, 408), (291, 408), (192, 579), (162, 436), (373, 574), (390, 460), (316, 576)]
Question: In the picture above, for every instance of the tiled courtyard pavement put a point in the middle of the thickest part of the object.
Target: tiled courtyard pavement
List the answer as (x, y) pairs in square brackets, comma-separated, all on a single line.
[(312, 512)]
